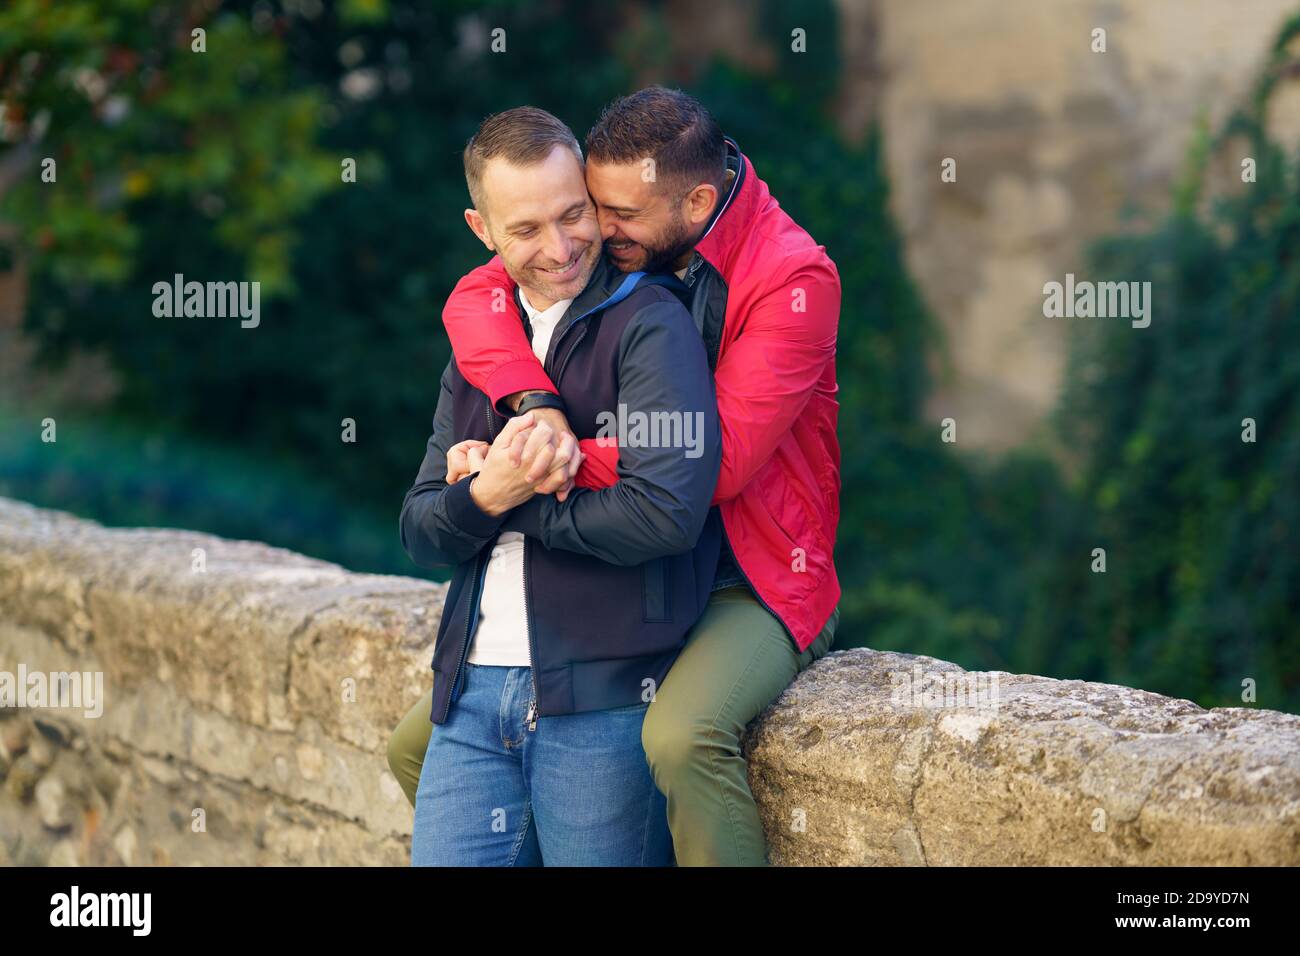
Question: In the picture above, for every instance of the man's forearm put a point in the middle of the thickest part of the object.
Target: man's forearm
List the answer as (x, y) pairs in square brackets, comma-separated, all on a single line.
[(764, 381), (661, 500), (487, 337)]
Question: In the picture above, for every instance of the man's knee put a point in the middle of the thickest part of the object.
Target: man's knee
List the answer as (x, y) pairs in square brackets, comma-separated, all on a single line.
[(667, 741), (677, 743)]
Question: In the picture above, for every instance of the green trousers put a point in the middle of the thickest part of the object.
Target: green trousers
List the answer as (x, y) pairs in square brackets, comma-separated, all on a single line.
[(737, 660)]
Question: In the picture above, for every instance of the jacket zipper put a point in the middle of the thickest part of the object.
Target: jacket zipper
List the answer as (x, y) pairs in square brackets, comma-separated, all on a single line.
[(532, 715), (532, 650), (694, 267)]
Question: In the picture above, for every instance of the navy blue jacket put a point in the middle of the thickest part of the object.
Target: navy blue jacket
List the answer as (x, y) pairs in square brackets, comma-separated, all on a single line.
[(613, 578)]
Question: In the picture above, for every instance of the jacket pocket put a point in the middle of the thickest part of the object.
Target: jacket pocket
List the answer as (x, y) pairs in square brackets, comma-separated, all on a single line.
[(655, 603)]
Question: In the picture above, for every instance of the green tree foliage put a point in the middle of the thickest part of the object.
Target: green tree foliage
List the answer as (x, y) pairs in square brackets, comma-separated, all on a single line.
[(132, 114), (1202, 587)]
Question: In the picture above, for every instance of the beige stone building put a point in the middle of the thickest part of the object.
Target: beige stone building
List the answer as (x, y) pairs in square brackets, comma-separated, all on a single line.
[(1052, 142)]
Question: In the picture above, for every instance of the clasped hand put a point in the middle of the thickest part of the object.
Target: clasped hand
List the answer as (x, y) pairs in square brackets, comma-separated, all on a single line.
[(535, 453)]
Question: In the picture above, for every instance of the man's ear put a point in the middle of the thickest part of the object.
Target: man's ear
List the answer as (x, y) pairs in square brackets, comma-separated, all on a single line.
[(700, 203), (479, 228)]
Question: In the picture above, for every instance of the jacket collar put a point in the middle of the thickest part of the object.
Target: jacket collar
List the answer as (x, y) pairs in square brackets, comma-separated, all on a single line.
[(605, 280), (737, 163), (735, 212)]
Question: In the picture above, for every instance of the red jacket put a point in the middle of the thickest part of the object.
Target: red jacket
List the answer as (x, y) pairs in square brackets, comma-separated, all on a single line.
[(767, 300)]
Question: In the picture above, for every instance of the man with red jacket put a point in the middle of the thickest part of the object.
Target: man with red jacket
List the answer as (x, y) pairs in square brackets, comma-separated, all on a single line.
[(674, 195)]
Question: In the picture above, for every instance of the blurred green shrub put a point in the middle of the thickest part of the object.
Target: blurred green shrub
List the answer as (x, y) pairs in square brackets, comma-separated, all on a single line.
[(126, 475)]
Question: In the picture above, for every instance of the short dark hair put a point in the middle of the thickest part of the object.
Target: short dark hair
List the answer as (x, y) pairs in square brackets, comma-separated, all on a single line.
[(523, 136), (668, 126)]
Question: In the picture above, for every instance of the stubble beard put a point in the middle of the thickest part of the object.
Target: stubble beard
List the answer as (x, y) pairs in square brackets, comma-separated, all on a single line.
[(530, 278), (671, 246)]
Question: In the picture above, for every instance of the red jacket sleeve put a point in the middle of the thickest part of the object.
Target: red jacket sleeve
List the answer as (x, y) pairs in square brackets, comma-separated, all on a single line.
[(766, 376), (487, 335), (599, 468), (492, 352)]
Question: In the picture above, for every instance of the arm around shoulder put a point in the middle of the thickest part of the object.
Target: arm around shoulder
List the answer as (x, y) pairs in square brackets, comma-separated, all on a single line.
[(669, 454)]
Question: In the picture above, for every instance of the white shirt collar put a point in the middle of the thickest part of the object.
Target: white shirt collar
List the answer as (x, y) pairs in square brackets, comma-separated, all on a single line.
[(548, 315)]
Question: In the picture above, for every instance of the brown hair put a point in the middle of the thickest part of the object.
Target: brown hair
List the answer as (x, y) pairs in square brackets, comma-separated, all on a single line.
[(668, 126), (523, 136)]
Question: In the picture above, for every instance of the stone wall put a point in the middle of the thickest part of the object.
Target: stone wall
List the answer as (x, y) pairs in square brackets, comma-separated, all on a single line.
[(248, 693)]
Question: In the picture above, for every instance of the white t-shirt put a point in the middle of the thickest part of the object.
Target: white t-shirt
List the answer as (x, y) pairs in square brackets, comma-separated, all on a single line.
[(502, 636)]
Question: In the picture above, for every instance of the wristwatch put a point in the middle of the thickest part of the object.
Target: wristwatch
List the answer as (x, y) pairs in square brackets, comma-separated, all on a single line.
[(541, 400)]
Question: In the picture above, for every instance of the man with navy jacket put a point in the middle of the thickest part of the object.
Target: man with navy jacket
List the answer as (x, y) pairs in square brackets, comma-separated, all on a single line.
[(565, 612)]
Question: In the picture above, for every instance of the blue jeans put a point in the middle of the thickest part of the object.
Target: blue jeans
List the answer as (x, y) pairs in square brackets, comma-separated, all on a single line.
[(574, 792)]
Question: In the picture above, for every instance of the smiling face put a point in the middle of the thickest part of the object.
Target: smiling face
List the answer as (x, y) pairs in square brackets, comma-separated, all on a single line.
[(647, 226), (541, 222)]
